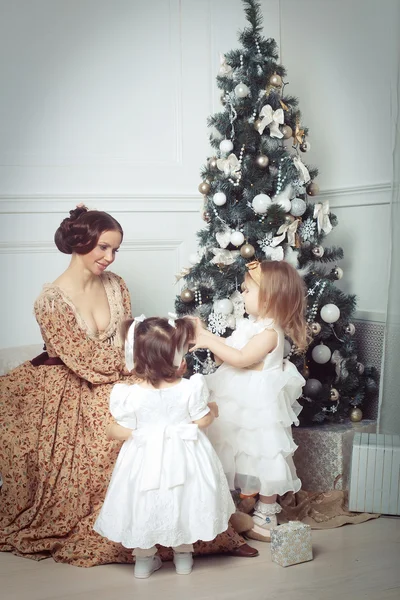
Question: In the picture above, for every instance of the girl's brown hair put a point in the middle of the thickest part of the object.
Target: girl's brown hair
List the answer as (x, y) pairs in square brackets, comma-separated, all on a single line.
[(80, 231), (156, 342), (282, 297)]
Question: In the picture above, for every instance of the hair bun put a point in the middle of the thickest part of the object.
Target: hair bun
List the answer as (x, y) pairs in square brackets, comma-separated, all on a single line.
[(63, 235)]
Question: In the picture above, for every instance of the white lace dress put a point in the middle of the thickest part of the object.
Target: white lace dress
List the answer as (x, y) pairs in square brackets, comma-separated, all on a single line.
[(252, 435), (168, 486)]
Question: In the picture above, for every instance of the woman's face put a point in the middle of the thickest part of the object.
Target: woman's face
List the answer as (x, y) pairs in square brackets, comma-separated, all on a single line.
[(250, 296), (103, 254)]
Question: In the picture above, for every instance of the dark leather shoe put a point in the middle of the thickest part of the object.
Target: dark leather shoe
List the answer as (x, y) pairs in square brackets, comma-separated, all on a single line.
[(245, 551)]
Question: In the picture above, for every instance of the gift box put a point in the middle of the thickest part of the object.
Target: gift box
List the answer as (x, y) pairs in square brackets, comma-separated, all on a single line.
[(375, 474), (291, 543), (323, 456)]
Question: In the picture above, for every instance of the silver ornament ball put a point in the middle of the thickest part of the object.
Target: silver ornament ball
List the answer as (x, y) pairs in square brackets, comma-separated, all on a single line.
[(298, 207)]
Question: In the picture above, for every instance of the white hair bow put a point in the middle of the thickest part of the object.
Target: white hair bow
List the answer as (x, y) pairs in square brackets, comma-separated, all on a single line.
[(130, 341), (172, 319)]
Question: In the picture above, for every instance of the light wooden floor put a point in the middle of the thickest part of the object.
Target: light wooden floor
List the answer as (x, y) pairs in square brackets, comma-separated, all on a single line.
[(351, 563)]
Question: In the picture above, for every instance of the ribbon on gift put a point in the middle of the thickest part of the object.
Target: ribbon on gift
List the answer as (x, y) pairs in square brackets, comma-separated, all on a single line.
[(321, 213), (302, 169), (271, 118), (158, 440), (229, 166), (289, 230), (224, 257)]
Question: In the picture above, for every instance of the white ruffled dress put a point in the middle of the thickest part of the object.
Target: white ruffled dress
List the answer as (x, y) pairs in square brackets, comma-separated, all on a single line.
[(252, 435), (168, 486)]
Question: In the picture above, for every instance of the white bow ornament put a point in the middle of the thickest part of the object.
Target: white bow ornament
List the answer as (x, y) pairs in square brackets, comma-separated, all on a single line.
[(229, 166), (224, 257), (302, 169), (272, 119), (289, 230), (225, 70), (321, 213), (224, 237)]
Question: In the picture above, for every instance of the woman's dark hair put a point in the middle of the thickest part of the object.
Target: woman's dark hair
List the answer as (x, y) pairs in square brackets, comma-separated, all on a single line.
[(80, 231), (156, 342)]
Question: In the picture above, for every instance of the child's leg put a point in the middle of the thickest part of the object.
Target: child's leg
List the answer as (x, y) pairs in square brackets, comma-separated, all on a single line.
[(265, 512), (146, 562), (183, 559)]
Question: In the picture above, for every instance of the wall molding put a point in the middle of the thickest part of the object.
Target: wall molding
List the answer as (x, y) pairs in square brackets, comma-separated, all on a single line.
[(358, 196), (149, 245)]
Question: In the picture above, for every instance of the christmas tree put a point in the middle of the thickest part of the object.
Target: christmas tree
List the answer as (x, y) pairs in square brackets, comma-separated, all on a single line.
[(261, 202)]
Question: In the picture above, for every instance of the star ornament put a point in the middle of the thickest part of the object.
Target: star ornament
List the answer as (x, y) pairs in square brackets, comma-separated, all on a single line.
[(298, 134)]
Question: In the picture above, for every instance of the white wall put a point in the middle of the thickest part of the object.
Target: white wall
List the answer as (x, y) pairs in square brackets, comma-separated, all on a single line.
[(105, 102)]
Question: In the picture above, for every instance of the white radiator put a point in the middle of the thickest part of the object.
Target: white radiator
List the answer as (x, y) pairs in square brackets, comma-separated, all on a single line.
[(375, 474)]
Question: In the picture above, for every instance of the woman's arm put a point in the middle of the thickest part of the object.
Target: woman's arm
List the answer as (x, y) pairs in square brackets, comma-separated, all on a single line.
[(117, 432), (255, 351)]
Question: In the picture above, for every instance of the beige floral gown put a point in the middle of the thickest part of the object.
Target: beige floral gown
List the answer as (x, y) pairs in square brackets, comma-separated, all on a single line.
[(55, 460)]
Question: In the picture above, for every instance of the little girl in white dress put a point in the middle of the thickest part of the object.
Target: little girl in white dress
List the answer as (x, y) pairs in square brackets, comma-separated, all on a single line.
[(168, 486), (256, 390)]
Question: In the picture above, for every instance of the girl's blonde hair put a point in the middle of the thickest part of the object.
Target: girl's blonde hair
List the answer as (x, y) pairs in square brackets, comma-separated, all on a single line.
[(282, 296)]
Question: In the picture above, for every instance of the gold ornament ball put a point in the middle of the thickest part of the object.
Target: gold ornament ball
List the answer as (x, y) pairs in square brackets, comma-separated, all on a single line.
[(350, 329), (247, 251), (289, 219), (312, 189), (287, 132), (223, 99), (318, 251), (212, 163), (337, 272), (275, 80), (305, 146), (187, 295), (262, 161), (315, 328), (306, 372), (356, 415), (257, 124), (334, 395), (204, 187)]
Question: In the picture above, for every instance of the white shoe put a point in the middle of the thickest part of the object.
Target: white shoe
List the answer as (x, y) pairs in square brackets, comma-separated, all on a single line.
[(265, 521), (145, 566), (183, 562), (265, 514)]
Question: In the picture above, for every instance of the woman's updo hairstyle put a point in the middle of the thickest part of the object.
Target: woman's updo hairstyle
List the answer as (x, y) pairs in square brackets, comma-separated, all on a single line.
[(80, 231)]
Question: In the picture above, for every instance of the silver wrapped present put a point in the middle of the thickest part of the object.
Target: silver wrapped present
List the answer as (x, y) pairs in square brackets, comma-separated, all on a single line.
[(291, 543), (323, 455)]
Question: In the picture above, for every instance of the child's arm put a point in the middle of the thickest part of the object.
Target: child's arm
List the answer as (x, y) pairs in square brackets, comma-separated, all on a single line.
[(117, 432), (205, 421), (255, 351)]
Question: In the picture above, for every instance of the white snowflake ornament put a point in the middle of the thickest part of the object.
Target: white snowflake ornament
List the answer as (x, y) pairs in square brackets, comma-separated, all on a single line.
[(217, 323)]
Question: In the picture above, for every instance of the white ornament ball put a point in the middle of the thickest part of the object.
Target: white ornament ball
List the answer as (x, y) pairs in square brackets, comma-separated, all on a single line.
[(241, 90), (194, 258), (237, 238), (283, 201), (330, 313), (312, 387), (224, 306), (298, 207), (260, 203), (219, 198), (321, 354), (226, 146), (287, 346)]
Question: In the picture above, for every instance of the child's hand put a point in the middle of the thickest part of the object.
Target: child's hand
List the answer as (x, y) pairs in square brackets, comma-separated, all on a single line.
[(213, 406), (200, 326), (200, 342)]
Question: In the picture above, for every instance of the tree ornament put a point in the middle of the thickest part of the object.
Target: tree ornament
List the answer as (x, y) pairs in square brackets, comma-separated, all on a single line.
[(312, 387), (231, 321), (187, 295), (262, 161), (306, 372), (261, 203), (321, 354), (298, 134), (206, 216), (330, 313), (212, 163), (237, 238), (257, 124), (275, 80), (194, 258), (219, 198), (360, 368), (334, 395), (318, 251), (223, 306), (298, 207), (350, 329), (356, 415), (204, 187), (312, 189), (337, 272), (247, 251), (287, 132), (315, 328), (226, 146), (289, 219), (241, 90), (305, 146), (223, 99)]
